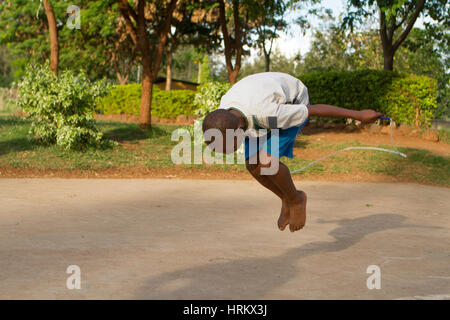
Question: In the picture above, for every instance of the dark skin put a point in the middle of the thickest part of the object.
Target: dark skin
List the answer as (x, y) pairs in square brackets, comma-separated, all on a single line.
[(293, 208)]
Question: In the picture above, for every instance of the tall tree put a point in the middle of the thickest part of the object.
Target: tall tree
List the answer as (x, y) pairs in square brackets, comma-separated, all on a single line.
[(53, 34), (333, 49), (100, 46), (106, 47), (235, 27), (396, 18), (205, 72), (5, 67), (269, 19), (425, 52), (148, 24), (28, 34), (279, 63), (193, 24)]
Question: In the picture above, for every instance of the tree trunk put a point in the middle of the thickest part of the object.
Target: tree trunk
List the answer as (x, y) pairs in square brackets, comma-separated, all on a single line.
[(169, 72), (389, 62), (189, 70), (387, 32), (54, 45), (232, 76), (388, 57), (151, 53), (231, 42), (138, 74), (146, 93), (122, 79), (267, 60), (199, 72)]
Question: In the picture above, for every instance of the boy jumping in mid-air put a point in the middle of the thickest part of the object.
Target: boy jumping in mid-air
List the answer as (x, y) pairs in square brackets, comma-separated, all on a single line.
[(272, 100)]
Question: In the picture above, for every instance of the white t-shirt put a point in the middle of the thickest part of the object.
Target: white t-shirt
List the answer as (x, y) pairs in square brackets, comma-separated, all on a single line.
[(268, 100)]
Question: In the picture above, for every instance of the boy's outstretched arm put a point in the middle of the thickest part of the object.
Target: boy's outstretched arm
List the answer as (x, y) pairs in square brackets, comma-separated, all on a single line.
[(325, 110)]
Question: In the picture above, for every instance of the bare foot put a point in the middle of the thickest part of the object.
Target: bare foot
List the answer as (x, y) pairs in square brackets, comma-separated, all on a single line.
[(297, 212), (283, 220)]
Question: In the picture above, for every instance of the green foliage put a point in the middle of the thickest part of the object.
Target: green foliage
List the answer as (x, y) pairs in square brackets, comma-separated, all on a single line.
[(405, 98), (208, 96), (152, 149), (125, 99), (270, 20), (425, 53), (6, 72), (61, 107), (170, 104), (205, 75), (332, 49), (279, 62), (396, 18), (7, 100), (122, 99), (444, 135), (98, 46)]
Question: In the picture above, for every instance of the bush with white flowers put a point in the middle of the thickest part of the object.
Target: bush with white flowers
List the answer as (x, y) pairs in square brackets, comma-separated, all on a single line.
[(61, 107)]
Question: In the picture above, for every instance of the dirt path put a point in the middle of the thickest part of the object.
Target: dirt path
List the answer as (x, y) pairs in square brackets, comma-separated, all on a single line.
[(335, 136), (150, 239), (192, 173)]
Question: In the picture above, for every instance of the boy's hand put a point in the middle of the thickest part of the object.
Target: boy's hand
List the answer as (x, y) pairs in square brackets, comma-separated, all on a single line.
[(325, 110), (368, 115)]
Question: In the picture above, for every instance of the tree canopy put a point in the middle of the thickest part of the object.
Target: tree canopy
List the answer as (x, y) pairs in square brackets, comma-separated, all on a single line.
[(396, 19), (197, 40)]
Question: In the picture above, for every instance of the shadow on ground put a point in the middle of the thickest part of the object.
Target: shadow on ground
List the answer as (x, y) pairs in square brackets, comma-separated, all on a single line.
[(16, 145), (262, 275), (298, 143), (132, 132)]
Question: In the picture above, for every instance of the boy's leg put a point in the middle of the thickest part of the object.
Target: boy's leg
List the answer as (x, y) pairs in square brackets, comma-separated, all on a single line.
[(295, 200), (283, 220)]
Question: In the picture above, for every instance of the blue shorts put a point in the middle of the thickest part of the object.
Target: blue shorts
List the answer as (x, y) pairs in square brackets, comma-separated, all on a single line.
[(286, 139)]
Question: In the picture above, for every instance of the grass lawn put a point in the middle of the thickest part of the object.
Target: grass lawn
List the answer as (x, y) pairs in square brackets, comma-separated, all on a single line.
[(152, 149), (137, 147)]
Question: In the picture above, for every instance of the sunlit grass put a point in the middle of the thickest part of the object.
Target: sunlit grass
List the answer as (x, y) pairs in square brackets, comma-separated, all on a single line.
[(152, 149)]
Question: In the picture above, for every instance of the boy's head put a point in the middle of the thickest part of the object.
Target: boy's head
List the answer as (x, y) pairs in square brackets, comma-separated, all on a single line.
[(219, 121)]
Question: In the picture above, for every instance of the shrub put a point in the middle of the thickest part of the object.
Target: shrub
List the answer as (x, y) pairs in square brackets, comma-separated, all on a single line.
[(61, 107), (8, 100), (170, 104), (125, 99), (405, 98), (122, 99), (208, 96)]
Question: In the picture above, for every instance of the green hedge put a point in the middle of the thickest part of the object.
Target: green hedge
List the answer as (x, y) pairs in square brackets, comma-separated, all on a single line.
[(125, 99), (405, 98)]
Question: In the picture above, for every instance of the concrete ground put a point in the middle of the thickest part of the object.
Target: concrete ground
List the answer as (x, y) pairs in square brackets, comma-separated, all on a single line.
[(199, 239)]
